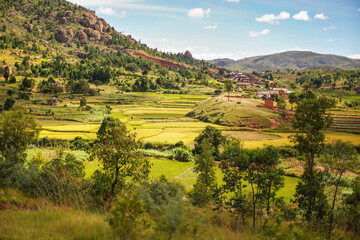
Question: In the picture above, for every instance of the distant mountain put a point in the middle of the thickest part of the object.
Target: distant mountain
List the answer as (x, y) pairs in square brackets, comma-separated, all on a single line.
[(289, 60)]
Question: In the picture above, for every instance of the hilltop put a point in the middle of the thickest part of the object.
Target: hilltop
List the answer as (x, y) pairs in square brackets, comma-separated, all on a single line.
[(289, 60)]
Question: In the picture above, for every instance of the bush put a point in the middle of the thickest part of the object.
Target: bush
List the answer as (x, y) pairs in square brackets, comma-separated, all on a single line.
[(182, 154), (9, 103)]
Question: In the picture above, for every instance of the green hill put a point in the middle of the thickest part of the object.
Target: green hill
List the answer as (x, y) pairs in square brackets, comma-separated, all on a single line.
[(289, 60)]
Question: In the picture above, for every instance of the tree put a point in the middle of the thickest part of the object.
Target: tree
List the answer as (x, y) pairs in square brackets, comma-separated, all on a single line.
[(338, 157), (116, 150), (83, 102), (17, 130), (9, 103), (310, 121), (6, 74), (213, 136), (293, 98), (206, 180), (27, 84), (281, 103), (228, 87)]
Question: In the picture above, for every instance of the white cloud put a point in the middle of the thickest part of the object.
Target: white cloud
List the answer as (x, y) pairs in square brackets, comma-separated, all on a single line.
[(232, 0), (302, 15), (122, 14), (164, 40), (329, 28), (199, 13), (320, 16), (330, 40), (128, 4), (211, 27), (272, 18), (107, 11), (359, 9), (255, 34), (355, 56)]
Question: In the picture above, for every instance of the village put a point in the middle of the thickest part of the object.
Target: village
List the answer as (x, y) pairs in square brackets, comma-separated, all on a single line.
[(260, 87)]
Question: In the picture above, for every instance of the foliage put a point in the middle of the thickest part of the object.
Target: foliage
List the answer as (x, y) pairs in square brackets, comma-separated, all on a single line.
[(228, 87), (182, 154), (17, 129), (125, 217), (206, 179), (27, 84), (9, 103), (116, 150), (213, 136), (310, 122)]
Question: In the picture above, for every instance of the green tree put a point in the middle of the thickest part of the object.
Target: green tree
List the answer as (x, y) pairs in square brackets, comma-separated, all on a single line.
[(125, 218), (228, 87), (27, 84), (310, 122), (213, 136), (293, 98), (6, 74), (206, 179), (83, 102), (116, 150), (281, 103), (17, 130), (338, 157), (9, 103)]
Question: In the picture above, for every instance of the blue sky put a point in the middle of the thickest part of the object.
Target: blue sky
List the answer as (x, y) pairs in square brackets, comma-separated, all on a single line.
[(237, 28)]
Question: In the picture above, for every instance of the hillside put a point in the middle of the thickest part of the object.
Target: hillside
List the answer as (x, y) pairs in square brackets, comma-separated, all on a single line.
[(50, 38), (289, 60), (238, 112)]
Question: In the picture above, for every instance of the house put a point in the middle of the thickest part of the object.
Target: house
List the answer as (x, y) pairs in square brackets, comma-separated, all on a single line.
[(268, 104)]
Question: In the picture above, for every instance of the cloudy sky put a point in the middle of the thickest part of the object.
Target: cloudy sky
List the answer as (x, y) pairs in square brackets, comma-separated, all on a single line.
[(237, 28)]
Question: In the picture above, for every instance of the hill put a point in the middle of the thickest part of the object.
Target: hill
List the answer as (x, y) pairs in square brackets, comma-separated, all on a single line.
[(55, 38), (289, 60)]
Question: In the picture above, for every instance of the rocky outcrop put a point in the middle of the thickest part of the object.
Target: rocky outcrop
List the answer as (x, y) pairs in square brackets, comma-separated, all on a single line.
[(95, 36), (99, 26), (88, 31), (63, 21), (188, 54), (68, 13), (61, 36), (105, 38), (88, 20), (82, 37)]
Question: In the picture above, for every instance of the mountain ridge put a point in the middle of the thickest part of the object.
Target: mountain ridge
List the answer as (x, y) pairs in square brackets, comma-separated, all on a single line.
[(288, 60)]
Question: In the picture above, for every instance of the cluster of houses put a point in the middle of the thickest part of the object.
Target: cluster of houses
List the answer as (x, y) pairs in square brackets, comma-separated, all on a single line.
[(251, 80)]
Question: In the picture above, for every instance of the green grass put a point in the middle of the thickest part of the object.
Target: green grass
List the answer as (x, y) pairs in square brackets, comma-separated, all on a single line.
[(56, 223)]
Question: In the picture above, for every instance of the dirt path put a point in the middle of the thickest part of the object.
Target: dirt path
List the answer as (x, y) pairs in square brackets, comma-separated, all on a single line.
[(185, 173), (275, 123)]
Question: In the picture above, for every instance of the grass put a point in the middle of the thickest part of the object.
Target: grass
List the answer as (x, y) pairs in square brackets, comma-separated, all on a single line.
[(56, 223)]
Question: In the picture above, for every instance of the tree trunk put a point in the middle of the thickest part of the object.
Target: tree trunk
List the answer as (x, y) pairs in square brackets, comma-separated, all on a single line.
[(332, 208), (112, 190), (254, 205), (268, 200), (311, 196)]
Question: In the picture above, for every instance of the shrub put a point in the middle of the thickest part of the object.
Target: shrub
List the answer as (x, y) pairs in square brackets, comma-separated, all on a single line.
[(182, 154)]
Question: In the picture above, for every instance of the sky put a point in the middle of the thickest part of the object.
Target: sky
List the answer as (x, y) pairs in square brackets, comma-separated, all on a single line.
[(236, 29)]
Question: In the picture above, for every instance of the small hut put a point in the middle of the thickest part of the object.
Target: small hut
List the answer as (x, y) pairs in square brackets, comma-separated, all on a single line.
[(52, 101)]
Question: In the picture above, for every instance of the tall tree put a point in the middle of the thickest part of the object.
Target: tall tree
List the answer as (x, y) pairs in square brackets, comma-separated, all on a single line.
[(116, 150), (338, 157), (310, 121), (206, 180), (228, 87), (214, 137)]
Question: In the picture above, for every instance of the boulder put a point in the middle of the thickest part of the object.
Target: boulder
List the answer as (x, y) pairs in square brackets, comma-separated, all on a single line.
[(95, 35), (99, 26), (105, 38), (188, 54), (82, 37), (61, 35), (88, 20), (88, 31), (71, 33), (63, 20), (68, 13)]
